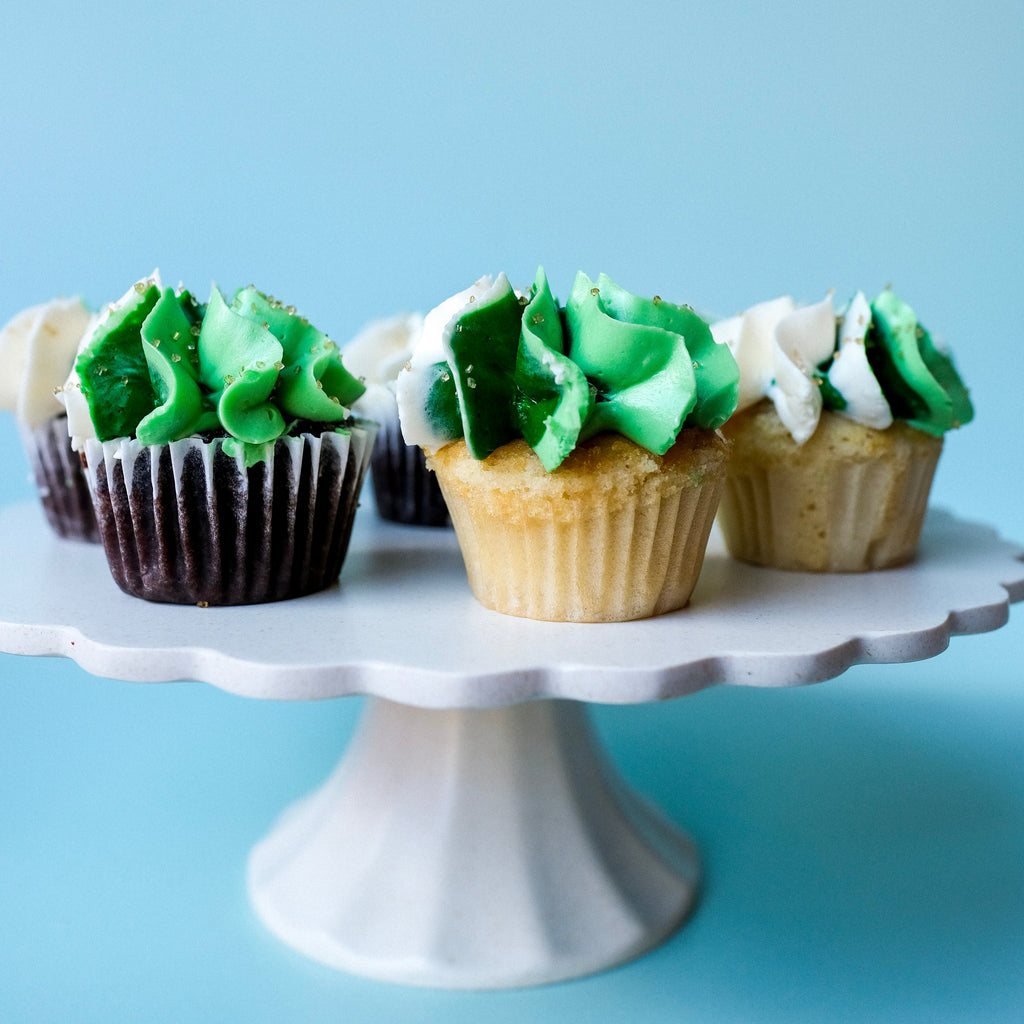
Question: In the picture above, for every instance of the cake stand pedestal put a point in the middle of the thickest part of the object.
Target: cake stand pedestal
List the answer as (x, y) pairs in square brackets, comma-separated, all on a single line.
[(474, 835)]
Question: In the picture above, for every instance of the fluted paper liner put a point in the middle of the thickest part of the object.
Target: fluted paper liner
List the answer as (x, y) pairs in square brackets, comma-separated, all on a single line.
[(621, 550), (60, 480), (853, 512), (187, 523), (405, 490)]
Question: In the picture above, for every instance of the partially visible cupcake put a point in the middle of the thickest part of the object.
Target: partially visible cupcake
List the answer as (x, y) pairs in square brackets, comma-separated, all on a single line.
[(37, 348), (220, 450), (839, 429), (577, 447), (404, 489)]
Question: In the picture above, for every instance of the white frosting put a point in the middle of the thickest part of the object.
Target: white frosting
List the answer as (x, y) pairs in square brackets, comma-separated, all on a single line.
[(779, 346), (37, 348), (80, 425), (433, 347), (850, 373), (376, 355)]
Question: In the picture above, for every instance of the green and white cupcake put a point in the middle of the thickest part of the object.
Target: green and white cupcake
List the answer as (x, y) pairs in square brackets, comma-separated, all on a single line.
[(840, 427), (223, 459), (577, 446)]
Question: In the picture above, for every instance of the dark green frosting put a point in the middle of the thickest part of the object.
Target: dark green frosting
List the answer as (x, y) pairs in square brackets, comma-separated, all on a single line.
[(919, 380)]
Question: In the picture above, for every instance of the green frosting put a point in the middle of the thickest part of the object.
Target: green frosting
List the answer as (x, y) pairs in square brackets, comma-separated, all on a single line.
[(162, 367), (553, 394), (482, 353), (608, 361), (919, 381)]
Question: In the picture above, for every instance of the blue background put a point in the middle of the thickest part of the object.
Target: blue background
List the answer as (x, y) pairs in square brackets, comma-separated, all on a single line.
[(864, 839)]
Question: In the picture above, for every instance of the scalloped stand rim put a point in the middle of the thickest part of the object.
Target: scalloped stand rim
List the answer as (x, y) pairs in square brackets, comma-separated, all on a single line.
[(473, 848)]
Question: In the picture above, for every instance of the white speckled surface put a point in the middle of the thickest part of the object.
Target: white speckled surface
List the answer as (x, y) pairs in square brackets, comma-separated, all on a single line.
[(403, 625)]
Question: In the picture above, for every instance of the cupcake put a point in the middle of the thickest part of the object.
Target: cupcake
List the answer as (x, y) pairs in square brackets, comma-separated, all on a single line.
[(404, 489), (839, 428), (37, 349), (223, 460), (577, 448)]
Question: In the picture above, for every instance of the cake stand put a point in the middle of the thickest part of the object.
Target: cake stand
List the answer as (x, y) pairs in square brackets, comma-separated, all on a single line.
[(474, 835)]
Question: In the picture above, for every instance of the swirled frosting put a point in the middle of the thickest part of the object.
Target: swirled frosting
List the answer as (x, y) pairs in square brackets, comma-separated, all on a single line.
[(376, 355), (159, 366), (37, 348), (872, 362), (493, 364)]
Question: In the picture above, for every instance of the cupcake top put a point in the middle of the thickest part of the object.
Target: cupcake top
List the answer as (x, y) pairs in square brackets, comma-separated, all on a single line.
[(872, 362), (37, 348), (376, 355), (160, 366), (492, 364)]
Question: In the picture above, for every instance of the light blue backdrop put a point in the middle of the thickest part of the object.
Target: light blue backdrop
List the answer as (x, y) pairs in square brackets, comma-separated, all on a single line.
[(864, 839)]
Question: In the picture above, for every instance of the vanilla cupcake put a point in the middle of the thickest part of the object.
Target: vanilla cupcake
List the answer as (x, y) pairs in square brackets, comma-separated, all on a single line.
[(404, 489), (37, 348), (577, 447), (839, 428), (220, 450)]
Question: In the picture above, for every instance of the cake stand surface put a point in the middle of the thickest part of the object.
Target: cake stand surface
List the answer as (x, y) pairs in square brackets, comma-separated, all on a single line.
[(474, 835)]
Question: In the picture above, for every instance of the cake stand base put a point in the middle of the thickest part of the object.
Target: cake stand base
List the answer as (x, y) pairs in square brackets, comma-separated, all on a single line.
[(473, 848)]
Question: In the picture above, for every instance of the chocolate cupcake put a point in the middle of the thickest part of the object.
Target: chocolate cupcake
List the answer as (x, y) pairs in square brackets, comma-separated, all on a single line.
[(219, 446), (37, 348), (405, 490)]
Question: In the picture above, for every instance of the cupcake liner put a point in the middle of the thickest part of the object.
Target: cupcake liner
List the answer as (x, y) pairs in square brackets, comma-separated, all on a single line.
[(854, 515), (60, 480), (188, 523), (405, 490), (609, 554)]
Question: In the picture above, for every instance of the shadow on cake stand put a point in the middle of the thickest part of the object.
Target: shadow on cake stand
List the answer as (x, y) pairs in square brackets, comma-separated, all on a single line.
[(474, 834)]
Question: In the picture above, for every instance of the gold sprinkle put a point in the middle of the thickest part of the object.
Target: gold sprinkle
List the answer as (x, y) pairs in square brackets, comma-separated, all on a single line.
[(446, 376), (228, 379), (657, 300), (140, 287), (472, 298), (176, 335), (458, 327), (279, 366), (536, 319), (335, 399), (195, 330), (202, 604), (156, 343), (523, 300), (175, 358), (595, 291), (470, 382), (320, 385), (290, 310)]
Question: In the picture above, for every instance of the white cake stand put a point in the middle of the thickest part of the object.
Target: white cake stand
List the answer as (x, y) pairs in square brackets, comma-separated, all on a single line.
[(473, 835)]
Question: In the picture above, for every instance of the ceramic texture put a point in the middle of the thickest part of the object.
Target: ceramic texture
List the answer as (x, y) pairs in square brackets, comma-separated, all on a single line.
[(474, 836)]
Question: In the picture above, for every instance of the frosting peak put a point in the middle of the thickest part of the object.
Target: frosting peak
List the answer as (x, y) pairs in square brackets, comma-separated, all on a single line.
[(160, 366), (872, 362), (37, 348), (493, 364)]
